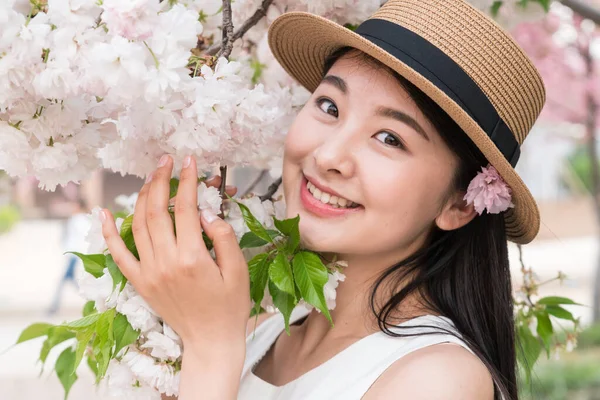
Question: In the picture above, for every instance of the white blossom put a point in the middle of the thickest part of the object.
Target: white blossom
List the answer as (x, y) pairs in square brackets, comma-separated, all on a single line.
[(127, 202), (209, 198), (123, 384), (99, 290), (158, 375), (162, 346), (139, 314)]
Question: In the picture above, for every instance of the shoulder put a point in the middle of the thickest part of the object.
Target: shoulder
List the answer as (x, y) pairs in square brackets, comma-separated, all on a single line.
[(256, 321), (457, 373)]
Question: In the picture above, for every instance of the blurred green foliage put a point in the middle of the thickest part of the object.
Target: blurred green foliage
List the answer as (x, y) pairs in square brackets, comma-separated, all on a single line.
[(9, 216), (575, 376)]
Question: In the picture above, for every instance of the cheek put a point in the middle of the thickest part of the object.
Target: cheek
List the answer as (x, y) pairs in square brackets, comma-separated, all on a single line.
[(406, 199)]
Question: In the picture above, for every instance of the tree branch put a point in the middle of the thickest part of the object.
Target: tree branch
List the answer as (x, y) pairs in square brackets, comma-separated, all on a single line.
[(583, 9), (271, 191), (255, 182), (227, 41), (223, 173), (260, 12)]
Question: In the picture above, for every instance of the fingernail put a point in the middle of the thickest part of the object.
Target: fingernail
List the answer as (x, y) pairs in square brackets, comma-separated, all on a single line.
[(209, 216), (211, 179), (229, 187), (163, 161), (187, 161), (103, 216), (149, 177)]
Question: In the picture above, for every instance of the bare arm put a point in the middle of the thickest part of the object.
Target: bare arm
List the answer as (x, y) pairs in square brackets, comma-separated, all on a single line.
[(253, 323), (444, 371)]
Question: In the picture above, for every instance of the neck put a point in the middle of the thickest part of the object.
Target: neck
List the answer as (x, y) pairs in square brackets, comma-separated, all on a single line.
[(353, 315)]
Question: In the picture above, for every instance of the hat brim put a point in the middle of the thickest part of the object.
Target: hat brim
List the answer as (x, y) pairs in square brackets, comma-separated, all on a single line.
[(302, 41)]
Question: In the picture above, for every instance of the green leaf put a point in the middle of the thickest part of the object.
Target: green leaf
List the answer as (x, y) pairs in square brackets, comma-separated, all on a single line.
[(528, 351), (89, 308), (311, 276), (34, 331), (123, 333), (495, 8), (290, 228), (544, 329), (207, 242), (545, 4), (82, 322), (251, 240), (280, 273), (92, 263), (256, 311), (256, 227), (64, 367), (173, 187), (258, 69), (127, 236), (104, 326), (56, 335), (115, 273), (555, 301), (284, 303), (102, 353), (83, 339), (560, 312), (259, 275), (91, 362)]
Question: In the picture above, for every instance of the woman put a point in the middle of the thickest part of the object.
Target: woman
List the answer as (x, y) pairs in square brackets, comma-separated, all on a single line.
[(402, 164)]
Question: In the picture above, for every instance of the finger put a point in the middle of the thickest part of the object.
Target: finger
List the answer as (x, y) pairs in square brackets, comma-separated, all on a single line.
[(230, 190), (127, 263), (158, 219), (189, 232), (215, 181), (139, 228), (229, 256)]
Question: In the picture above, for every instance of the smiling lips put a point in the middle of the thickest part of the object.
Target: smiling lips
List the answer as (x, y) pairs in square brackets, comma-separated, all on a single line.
[(323, 203)]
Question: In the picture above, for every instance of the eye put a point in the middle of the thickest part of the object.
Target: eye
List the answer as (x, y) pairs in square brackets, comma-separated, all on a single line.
[(327, 106), (389, 139)]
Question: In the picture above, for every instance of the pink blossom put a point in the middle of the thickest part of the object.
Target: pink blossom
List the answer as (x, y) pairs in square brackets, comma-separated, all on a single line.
[(488, 191)]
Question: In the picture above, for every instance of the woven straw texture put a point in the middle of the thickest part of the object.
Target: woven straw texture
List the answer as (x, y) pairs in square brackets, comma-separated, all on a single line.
[(301, 42)]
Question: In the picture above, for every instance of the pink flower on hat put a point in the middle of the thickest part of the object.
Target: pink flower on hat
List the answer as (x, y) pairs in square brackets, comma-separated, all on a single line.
[(488, 191)]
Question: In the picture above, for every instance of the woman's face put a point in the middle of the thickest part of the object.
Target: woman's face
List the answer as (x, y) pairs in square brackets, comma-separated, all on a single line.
[(364, 169)]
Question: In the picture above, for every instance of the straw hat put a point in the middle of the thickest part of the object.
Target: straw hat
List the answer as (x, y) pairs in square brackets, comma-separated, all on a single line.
[(457, 56)]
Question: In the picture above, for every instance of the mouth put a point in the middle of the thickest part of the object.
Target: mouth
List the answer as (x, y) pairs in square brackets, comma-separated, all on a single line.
[(324, 203)]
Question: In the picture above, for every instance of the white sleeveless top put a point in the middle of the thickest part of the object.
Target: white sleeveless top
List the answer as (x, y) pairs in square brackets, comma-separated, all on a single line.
[(347, 375)]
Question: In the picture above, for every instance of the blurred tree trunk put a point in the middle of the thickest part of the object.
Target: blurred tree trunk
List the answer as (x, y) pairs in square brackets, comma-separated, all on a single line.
[(590, 125), (584, 9)]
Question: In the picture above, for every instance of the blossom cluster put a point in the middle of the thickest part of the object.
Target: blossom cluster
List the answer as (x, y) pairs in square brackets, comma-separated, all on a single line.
[(149, 367)]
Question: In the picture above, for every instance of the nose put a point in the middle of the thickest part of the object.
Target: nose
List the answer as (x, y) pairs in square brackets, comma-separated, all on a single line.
[(335, 156)]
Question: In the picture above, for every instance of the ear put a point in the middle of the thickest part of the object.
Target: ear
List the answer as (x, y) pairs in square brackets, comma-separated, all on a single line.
[(456, 213)]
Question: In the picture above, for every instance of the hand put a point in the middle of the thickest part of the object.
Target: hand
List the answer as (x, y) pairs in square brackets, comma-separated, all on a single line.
[(206, 302)]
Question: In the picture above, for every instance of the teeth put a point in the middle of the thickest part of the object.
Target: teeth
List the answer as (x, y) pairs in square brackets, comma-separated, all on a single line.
[(334, 201)]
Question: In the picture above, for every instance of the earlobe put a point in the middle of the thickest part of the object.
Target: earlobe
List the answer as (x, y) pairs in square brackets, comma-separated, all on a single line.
[(456, 214)]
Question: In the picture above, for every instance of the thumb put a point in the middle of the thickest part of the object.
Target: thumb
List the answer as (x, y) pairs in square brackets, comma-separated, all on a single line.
[(227, 250)]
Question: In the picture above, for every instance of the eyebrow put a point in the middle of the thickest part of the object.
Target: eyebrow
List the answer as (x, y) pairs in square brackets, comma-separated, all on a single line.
[(336, 81), (400, 116), (404, 118)]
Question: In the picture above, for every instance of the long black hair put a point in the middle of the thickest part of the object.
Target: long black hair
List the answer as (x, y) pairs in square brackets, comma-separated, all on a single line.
[(462, 274)]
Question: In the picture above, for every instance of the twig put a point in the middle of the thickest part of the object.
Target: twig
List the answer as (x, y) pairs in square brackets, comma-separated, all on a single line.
[(227, 41), (255, 182), (260, 12), (271, 191), (223, 170)]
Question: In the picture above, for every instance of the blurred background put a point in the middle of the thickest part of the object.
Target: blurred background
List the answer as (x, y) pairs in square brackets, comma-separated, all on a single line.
[(559, 163)]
